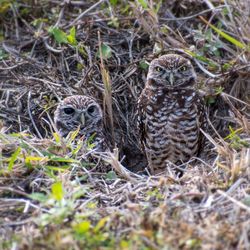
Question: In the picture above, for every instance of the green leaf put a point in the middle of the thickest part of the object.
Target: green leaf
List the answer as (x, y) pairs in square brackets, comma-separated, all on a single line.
[(246, 200), (4, 6), (225, 35), (124, 244), (91, 205), (219, 90), (210, 100), (59, 35), (31, 158), (57, 191), (73, 134), (57, 137), (62, 159), (105, 52), (77, 149), (158, 6), (19, 135), (59, 169), (38, 197), (82, 50), (72, 36), (90, 141), (143, 3), (82, 227), (226, 66), (79, 66), (3, 55), (114, 22), (143, 65), (38, 21), (111, 175), (13, 158), (113, 2), (233, 133), (101, 223), (193, 243), (201, 58)]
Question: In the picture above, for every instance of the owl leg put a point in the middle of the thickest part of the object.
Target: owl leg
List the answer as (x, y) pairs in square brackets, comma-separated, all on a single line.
[(176, 168), (179, 169), (151, 167)]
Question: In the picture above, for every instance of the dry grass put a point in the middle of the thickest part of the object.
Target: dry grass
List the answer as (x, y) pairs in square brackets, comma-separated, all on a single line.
[(51, 196)]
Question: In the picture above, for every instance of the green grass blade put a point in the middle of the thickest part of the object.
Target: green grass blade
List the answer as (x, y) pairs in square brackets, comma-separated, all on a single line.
[(225, 35), (13, 158), (62, 159), (202, 58), (57, 191)]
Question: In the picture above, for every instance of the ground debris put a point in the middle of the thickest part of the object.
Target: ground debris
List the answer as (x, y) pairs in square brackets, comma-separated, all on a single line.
[(51, 197)]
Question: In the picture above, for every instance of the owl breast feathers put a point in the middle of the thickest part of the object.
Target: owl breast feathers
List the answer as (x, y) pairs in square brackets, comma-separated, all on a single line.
[(170, 113), (83, 113)]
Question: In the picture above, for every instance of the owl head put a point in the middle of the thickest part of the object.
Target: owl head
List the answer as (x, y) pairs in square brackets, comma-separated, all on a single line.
[(78, 112), (172, 71)]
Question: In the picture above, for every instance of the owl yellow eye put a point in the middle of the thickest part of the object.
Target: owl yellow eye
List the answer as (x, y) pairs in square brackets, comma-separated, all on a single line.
[(184, 68), (159, 69)]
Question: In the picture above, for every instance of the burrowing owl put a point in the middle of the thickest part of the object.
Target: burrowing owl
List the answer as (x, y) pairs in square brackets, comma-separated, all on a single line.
[(170, 112), (81, 112)]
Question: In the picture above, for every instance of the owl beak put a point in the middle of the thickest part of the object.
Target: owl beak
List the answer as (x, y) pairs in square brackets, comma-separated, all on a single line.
[(171, 78), (82, 119)]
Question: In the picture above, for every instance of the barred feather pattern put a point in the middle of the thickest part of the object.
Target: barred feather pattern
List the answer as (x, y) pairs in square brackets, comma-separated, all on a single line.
[(169, 120), (83, 113)]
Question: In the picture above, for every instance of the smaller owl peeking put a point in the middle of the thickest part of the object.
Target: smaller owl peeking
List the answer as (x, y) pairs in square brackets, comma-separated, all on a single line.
[(81, 112), (170, 113)]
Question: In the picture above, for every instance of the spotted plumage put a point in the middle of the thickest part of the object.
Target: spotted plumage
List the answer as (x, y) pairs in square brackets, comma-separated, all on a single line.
[(170, 113), (83, 113)]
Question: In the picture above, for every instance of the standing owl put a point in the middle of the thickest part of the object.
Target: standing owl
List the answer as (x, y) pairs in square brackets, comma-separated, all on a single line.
[(170, 113), (81, 112)]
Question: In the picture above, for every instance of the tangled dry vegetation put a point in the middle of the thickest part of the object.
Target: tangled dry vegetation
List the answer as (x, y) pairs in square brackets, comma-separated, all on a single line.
[(51, 197)]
